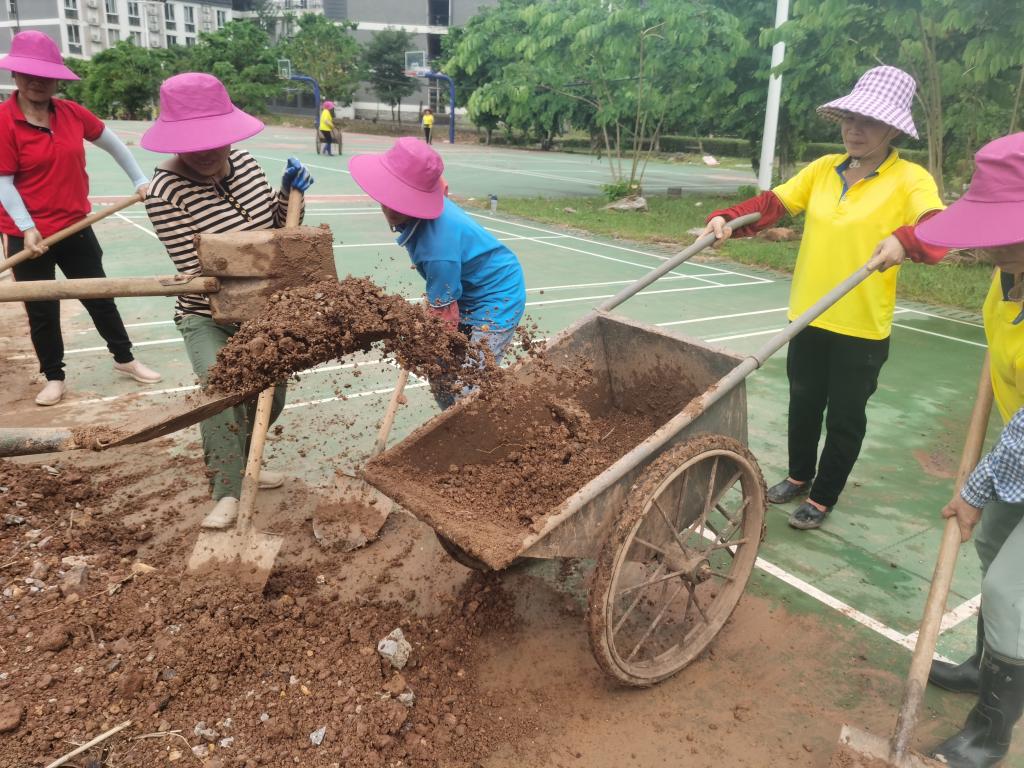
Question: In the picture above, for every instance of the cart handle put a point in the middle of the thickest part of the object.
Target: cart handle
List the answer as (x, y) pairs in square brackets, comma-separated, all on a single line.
[(698, 245)]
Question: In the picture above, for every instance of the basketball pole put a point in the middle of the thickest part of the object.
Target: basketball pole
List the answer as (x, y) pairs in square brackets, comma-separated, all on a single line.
[(771, 112)]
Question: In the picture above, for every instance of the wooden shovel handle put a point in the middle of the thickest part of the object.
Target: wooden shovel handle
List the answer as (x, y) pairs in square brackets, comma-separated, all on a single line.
[(107, 287), (294, 215), (935, 606), (56, 237), (389, 415), (253, 464)]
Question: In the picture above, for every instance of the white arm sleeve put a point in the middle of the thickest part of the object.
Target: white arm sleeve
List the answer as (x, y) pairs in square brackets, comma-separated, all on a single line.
[(109, 142), (11, 200)]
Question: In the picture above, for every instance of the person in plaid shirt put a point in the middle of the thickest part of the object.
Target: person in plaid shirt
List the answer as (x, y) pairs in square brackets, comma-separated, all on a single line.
[(988, 217)]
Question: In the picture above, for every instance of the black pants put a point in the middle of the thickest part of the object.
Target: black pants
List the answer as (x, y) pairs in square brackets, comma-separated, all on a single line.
[(426, 133), (77, 256), (840, 372), (326, 138)]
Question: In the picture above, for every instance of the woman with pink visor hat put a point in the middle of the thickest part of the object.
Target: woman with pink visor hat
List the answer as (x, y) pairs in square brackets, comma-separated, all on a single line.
[(473, 280), (990, 217), (44, 188), (206, 185)]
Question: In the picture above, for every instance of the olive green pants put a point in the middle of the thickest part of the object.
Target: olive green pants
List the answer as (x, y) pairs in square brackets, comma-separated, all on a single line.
[(999, 540), (226, 435)]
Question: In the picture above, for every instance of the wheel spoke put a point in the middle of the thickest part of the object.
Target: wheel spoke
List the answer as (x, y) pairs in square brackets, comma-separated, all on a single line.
[(721, 575), (708, 504), (696, 603), (652, 582), (648, 544), (657, 620), (636, 600), (671, 528)]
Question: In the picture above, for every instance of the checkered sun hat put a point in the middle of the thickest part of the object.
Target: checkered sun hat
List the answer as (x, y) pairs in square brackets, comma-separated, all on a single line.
[(882, 93)]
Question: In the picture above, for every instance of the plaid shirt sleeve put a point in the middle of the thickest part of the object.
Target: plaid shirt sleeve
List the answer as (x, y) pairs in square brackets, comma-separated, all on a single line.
[(1000, 475)]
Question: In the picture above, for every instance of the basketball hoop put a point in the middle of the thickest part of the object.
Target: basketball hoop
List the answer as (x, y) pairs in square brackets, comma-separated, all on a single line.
[(284, 69)]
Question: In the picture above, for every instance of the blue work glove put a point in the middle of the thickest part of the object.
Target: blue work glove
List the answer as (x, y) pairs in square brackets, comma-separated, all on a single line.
[(295, 175)]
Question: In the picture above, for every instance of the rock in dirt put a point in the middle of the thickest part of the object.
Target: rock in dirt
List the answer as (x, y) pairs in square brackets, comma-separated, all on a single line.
[(75, 581), (780, 234), (395, 649), (632, 203), (316, 738), (11, 715), (54, 639)]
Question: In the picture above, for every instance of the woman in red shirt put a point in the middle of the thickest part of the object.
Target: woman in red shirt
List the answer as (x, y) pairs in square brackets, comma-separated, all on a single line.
[(44, 188)]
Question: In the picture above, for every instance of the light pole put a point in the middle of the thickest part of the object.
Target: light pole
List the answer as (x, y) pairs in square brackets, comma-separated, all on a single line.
[(771, 112)]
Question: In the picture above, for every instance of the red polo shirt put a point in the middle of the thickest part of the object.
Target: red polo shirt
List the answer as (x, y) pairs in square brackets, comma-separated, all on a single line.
[(48, 165)]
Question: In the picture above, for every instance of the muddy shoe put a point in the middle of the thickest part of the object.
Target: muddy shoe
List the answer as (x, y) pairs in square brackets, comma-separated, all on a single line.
[(807, 516), (786, 491), (141, 373), (51, 394), (223, 514), (270, 479)]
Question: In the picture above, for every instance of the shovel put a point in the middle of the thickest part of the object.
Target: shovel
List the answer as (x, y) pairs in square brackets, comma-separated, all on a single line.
[(859, 749), (254, 550), (56, 237), (357, 511)]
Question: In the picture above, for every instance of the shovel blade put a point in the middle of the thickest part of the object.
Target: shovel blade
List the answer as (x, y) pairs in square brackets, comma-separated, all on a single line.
[(247, 557), (860, 749), (352, 515)]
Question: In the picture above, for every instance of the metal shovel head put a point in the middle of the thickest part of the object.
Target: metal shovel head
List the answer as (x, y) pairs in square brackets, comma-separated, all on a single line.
[(253, 265), (860, 749), (245, 556), (352, 514)]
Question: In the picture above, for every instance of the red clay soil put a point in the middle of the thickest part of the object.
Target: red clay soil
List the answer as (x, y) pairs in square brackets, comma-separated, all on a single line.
[(216, 675)]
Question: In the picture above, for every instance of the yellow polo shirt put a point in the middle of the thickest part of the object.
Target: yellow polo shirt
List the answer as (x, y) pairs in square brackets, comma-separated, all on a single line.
[(1005, 349), (326, 121), (841, 231)]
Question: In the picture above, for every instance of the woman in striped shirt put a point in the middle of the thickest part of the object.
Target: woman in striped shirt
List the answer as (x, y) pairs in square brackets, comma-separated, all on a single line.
[(208, 187)]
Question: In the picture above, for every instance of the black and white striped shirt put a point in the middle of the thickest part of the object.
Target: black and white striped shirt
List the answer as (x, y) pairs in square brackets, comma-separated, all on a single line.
[(179, 208)]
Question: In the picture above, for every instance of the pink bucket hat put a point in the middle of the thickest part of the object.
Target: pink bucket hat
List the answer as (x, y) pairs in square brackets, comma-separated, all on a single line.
[(991, 212), (882, 93), (33, 53), (406, 178), (328, 105), (196, 114)]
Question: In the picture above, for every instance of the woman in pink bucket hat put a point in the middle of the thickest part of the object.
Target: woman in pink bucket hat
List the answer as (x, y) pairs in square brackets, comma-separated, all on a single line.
[(208, 186), (44, 188), (327, 126), (990, 216), (859, 205), (473, 280)]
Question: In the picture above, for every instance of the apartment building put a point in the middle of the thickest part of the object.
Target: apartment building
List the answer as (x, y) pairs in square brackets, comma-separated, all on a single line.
[(83, 28)]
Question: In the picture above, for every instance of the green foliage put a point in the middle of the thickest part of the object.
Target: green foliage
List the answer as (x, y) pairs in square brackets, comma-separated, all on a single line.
[(239, 54), (123, 81), (384, 58), (617, 190), (326, 52)]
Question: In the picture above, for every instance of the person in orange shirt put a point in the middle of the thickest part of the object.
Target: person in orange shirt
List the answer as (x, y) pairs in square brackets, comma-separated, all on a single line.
[(859, 205)]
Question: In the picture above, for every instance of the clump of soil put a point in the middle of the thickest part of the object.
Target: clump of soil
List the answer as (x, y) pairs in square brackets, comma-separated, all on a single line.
[(303, 327), (217, 675)]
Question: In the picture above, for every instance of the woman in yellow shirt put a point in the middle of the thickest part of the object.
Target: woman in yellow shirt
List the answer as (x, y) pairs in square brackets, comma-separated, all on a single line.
[(327, 126), (859, 205), (428, 124)]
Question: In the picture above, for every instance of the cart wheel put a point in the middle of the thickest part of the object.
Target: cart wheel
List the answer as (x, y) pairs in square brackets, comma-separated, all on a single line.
[(319, 142), (461, 556), (674, 566)]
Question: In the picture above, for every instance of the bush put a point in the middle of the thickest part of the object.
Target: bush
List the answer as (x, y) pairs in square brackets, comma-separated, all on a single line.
[(618, 190)]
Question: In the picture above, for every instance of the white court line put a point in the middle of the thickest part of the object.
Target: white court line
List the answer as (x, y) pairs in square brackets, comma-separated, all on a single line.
[(956, 616), (393, 243), (721, 317), (149, 232), (353, 396), (709, 286), (534, 174), (940, 335), (308, 165), (713, 268)]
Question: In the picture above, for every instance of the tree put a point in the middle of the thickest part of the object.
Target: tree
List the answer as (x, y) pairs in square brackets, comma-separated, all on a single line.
[(384, 57), (240, 56), (326, 52), (123, 81)]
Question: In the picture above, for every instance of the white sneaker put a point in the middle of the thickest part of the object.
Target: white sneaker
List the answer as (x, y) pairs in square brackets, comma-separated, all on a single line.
[(270, 479), (51, 394), (223, 514), (141, 373)]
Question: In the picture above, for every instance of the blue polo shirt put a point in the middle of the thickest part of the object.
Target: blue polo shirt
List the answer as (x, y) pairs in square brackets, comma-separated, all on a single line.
[(463, 262)]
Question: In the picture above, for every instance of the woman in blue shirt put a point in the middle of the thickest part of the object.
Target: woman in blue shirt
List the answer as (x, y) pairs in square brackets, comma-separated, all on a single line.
[(473, 281)]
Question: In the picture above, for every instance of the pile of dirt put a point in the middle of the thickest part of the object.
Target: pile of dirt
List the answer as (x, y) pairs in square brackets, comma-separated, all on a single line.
[(211, 674), (306, 326)]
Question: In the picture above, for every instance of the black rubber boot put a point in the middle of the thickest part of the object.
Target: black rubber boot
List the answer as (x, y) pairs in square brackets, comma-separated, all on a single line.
[(985, 739), (960, 678)]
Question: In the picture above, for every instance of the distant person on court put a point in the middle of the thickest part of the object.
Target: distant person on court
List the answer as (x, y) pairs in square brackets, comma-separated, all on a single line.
[(860, 205), (327, 126), (473, 281), (990, 217), (206, 186), (43, 189), (428, 125)]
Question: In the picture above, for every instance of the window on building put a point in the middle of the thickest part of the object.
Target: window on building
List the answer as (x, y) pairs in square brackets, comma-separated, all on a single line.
[(71, 9), (74, 38), (172, 40), (190, 41), (190, 18), (437, 13), (169, 16), (136, 38), (113, 36), (111, 6), (12, 8), (222, 18), (133, 14)]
